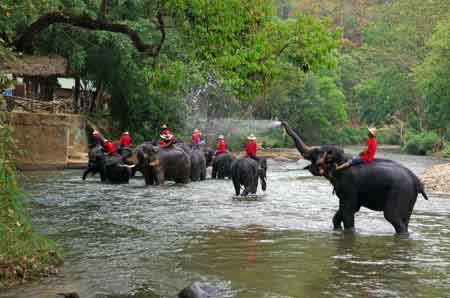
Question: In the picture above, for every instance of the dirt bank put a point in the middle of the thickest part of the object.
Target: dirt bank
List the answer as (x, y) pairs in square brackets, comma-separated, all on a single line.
[(437, 178)]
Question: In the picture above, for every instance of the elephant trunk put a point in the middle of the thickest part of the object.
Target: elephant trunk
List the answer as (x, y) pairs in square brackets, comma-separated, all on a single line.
[(301, 146)]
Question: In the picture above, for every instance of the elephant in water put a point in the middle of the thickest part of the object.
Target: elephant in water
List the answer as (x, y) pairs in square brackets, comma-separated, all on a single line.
[(198, 162), (221, 166), (161, 164), (246, 171), (110, 167), (381, 185)]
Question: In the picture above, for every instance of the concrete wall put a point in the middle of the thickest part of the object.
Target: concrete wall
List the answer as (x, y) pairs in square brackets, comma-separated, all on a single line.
[(47, 141)]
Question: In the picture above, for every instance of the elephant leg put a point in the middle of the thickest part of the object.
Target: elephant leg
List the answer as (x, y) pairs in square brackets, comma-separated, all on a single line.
[(86, 172), (214, 172), (148, 175), (237, 186), (103, 175), (394, 218), (337, 220), (203, 174)]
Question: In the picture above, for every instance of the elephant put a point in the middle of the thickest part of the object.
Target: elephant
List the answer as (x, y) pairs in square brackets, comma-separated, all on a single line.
[(221, 167), (198, 162), (161, 164), (246, 171), (110, 167), (380, 185)]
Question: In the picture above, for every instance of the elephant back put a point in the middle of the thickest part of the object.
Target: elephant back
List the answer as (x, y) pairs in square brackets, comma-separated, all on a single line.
[(176, 164)]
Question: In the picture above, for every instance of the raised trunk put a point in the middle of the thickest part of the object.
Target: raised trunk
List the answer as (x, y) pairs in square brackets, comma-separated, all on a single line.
[(298, 142)]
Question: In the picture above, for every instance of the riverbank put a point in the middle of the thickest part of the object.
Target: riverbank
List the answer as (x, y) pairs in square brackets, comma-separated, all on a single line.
[(24, 253), (437, 178)]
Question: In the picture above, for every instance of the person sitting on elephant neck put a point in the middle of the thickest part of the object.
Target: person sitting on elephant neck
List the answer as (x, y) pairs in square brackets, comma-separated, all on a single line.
[(110, 147), (196, 137), (251, 147), (97, 139), (221, 146), (165, 130), (167, 140), (125, 140), (367, 155)]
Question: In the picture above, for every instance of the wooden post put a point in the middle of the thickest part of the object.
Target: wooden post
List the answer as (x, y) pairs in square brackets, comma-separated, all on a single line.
[(76, 96)]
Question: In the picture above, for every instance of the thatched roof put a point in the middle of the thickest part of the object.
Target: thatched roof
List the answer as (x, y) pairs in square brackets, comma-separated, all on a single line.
[(42, 66)]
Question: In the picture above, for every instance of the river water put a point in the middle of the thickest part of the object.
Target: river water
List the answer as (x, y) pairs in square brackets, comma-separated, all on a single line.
[(136, 240)]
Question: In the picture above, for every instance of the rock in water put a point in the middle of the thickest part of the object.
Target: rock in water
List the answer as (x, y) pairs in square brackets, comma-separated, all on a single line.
[(198, 289), (69, 295)]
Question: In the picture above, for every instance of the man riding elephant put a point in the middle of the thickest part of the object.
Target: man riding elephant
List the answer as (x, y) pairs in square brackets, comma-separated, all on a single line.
[(381, 185)]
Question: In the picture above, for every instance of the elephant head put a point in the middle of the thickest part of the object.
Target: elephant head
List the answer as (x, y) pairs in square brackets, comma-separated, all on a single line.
[(322, 158), (148, 162), (262, 172)]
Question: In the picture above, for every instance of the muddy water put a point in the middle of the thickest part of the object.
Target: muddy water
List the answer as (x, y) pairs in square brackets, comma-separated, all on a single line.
[(131, 239)]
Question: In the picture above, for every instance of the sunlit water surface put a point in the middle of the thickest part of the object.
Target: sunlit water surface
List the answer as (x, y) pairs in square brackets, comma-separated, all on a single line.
[(131, 238)]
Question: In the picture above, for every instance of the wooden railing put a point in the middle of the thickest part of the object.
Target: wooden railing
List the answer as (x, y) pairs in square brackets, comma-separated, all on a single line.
[(17, 103)]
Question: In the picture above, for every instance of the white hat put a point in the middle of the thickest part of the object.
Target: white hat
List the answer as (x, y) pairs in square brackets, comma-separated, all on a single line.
[(196, 130), (251, 137), (125, 133), (221, 137), (166, 137), (163, 126), (372, 130)]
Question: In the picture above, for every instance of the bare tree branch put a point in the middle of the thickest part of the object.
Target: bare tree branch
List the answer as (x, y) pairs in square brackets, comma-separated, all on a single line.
[(24, 42)]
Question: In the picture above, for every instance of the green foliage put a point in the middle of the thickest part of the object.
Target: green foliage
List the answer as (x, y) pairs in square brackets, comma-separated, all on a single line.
[(23, 252), (446, 151), (433, 77), (420, 143)]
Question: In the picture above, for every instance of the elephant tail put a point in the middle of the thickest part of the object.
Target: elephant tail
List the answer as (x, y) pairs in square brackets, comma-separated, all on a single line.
[(421, 189)]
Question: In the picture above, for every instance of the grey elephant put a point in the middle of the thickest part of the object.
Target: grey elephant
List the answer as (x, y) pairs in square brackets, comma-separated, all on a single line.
[(162, 164), (381, 185), (221, 165), (198, 162), (246, 172)]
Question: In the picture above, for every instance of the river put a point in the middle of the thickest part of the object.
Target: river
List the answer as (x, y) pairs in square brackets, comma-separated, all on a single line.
[(137, 240)]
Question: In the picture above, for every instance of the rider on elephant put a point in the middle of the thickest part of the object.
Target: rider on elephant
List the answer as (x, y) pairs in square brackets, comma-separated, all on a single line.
[(125, 140), (221, 146), (196, 137), (165, 130), (250, 147), (97, 139), (367, 155), (167, 140), (109, 147)]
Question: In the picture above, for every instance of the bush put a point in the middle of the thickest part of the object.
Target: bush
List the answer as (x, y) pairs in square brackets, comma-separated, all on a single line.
[(420, 143), (352, 136), (446, 151)]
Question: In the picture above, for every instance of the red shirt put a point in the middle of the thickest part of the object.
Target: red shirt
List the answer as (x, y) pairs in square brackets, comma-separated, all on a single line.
[(251, 148), (125, 140), (110, 147), (165, 131), (369, 154), (196, 138), (221, 146)]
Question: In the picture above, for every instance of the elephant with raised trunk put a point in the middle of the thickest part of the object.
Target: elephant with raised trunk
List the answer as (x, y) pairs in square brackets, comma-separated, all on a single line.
[(380, 185), (161, 164), (246, 172)]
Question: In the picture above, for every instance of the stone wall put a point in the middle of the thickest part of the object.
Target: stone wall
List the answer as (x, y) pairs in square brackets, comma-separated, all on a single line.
[(47, 141)]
